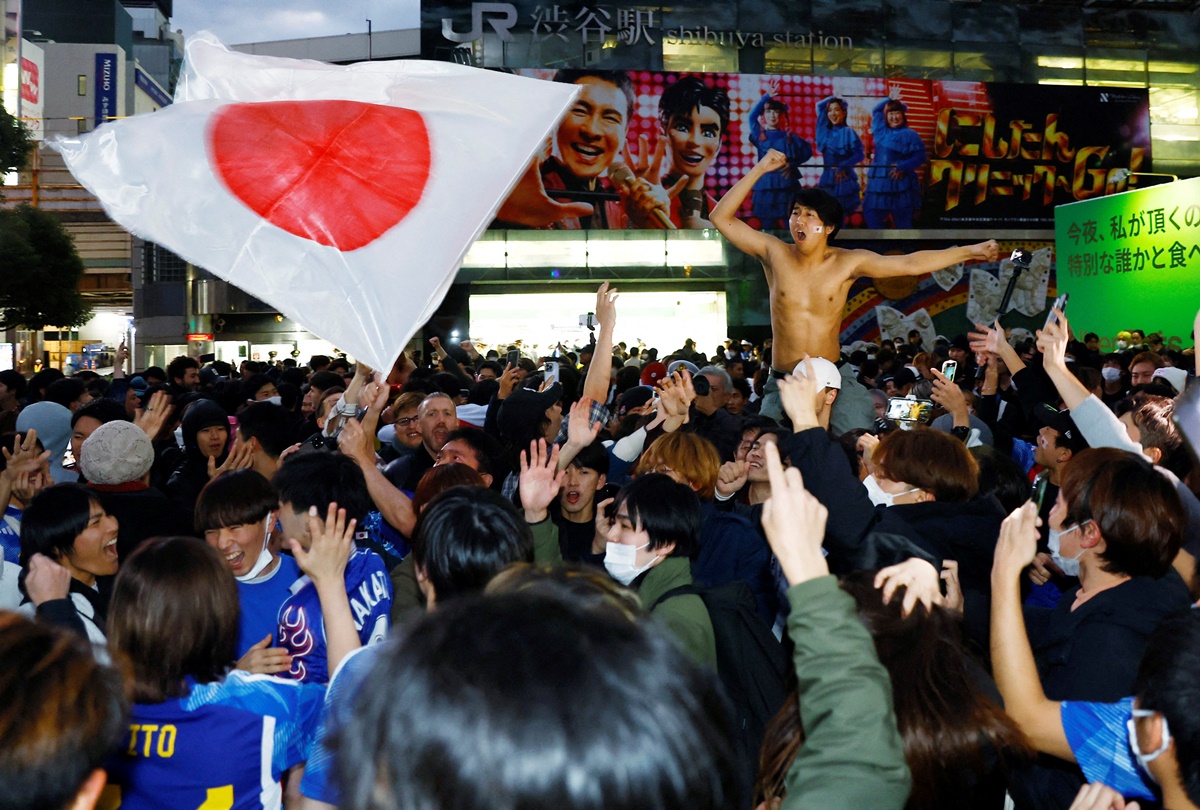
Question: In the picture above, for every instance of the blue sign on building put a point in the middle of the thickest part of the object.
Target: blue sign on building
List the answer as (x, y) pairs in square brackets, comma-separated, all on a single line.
[(106, 87)]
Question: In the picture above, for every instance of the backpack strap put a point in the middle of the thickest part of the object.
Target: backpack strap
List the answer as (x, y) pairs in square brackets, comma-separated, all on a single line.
[(682, 590)]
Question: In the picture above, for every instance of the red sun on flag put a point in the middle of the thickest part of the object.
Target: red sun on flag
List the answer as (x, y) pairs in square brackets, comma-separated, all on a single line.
[(312, 168)]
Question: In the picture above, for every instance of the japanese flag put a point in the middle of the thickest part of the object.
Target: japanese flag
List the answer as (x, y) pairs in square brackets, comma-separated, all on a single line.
[(345, 197)]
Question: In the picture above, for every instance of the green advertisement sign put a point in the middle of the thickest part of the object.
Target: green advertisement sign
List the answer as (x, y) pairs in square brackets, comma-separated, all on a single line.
[(1132, 261)]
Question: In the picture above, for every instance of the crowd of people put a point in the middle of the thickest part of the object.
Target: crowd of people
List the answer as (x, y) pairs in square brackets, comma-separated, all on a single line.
[(893, 575), (604, 578)]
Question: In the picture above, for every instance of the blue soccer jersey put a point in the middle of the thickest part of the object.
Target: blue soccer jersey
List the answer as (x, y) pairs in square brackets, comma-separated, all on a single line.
[(260, 602), (222, 747), (302, 630)]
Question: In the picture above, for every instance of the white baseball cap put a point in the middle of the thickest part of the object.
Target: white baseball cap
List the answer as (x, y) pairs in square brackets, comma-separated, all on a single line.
[(827, 373)]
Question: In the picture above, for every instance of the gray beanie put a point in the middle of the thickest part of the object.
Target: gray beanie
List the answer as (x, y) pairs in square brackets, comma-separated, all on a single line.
[(116, 453)]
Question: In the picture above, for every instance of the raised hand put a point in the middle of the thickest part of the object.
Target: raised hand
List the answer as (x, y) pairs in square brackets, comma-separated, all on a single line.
[(24, 458), (920, 579), (987, 251), (798, 394), (732, 476), (773, 161), (540, 480), (156, 413), (794, 522), (606, 306), (240, 457), (508, 381), (355, 443), (1017, 545), (1052, 340), (950, 397), (332, 541), (581, 430), (46, 580)]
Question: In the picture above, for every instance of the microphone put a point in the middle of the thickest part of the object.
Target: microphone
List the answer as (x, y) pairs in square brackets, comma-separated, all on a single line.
[(620, 173)]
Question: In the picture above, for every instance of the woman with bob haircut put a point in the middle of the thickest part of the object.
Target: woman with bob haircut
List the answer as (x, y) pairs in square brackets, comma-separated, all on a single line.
[(236, 514), (199, 734), (652, 528), (66, 526), (730, 548)]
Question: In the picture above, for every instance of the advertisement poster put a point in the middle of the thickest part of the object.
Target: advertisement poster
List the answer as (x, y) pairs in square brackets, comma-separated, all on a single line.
[(1129, 261), (32, 106), (897, 153)]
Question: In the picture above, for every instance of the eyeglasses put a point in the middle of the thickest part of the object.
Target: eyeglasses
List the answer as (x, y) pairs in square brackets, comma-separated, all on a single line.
[(405, 421)]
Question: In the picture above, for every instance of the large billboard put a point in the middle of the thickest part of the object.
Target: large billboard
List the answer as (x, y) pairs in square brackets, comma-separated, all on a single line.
[(898, 153), (33, 77), (1132, 261)]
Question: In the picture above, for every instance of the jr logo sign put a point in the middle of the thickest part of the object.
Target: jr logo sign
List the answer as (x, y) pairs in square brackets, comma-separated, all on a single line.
[(502, 17)]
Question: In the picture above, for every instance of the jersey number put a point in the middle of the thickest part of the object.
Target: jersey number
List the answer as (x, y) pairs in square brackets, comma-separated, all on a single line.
[(219, 798)]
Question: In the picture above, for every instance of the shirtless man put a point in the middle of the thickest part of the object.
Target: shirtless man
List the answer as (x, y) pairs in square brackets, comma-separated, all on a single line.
[(809, 280)]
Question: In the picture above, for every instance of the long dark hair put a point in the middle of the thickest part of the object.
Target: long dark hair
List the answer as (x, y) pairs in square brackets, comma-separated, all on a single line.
[(947, 724)]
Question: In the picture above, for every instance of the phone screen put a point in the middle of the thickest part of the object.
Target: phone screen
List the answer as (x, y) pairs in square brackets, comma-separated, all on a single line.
[(901, 409), (949, 369)]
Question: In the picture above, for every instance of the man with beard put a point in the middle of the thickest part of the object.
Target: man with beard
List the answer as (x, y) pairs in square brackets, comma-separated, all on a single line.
[(436, 417)]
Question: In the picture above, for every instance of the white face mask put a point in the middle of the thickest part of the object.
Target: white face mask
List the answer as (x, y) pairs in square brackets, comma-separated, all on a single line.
[(878, 496), (179, 436), (1144, 759), (1069, 565), (621, 562), (264, 556), (1110, 374), (275, 400)]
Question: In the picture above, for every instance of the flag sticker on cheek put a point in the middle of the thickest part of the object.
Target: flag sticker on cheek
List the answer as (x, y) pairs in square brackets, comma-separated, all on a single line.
[(818, 228), (312, 168)]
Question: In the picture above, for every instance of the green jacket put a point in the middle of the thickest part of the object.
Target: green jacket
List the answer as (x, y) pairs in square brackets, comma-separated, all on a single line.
[(685, 616), (852, 755)]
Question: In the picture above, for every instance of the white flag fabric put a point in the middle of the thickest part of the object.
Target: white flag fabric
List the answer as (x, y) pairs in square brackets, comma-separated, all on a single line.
[(345, 197)]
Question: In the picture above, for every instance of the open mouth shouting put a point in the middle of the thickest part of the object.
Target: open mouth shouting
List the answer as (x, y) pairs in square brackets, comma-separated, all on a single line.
[(572, 496), (110, 547)]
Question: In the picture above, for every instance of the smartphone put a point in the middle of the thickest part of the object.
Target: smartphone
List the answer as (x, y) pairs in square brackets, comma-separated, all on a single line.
[(910, 411), (949, 369), (700, 385), (514, 357), (207, 358), (550, 372), (1060, 304), (68, 460), (1040, 484)]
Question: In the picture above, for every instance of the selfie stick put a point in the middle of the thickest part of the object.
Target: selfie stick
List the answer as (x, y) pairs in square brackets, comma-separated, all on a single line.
[(1021, 260)]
